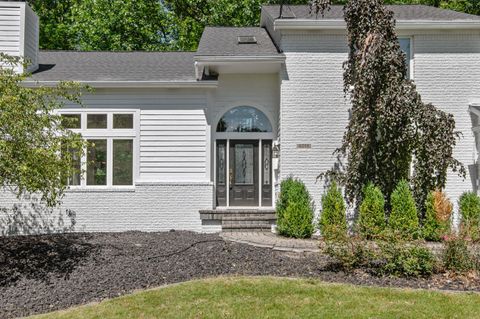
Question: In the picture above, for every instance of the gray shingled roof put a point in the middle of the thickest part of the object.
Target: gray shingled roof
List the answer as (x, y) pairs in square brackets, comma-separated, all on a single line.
[(402, 12), (115, 66), (223, 41)]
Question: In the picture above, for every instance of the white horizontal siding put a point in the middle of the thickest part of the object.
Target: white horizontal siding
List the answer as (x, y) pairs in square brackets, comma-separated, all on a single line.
[(10, 30), (161, 156)]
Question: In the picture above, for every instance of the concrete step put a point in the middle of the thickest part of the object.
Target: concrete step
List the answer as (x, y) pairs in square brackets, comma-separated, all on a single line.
[(249, 228), (247, 224), (271, 218)]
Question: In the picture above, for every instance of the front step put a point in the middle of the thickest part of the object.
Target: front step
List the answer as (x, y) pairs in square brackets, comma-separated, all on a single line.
[(244, 220)]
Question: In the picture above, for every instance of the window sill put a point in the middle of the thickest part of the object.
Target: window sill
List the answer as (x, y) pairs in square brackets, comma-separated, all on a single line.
[(101, 189)]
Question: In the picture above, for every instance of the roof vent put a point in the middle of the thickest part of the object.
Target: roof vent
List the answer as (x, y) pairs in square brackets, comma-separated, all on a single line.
[(247, 39)]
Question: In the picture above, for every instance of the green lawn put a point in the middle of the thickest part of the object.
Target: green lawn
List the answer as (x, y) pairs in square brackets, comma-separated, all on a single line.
[(278, 298)]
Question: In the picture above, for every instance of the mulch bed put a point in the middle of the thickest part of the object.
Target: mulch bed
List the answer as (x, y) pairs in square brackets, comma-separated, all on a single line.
[(40, 274)]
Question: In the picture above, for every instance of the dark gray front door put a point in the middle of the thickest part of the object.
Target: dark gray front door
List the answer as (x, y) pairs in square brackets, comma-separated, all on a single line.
[(243, 173)]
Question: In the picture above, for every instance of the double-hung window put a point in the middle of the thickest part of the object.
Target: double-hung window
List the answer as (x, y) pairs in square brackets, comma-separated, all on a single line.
[(406, 47), (110, 155)]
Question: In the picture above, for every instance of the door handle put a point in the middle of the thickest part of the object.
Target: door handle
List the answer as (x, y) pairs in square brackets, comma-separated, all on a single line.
[(231, 178)]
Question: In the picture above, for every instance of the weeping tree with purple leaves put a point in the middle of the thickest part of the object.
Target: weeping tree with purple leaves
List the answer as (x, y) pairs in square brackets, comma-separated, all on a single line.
[(392, 134)]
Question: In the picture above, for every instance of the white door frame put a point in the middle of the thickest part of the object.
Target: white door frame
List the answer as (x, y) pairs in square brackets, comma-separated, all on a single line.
[(228, 136)]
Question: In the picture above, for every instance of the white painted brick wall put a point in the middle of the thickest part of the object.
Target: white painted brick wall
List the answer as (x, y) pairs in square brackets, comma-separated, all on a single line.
[(159, 207), (447, 74), (313, 108)]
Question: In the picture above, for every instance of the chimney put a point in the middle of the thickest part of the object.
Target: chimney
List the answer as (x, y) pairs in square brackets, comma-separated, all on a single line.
[(19, 32)]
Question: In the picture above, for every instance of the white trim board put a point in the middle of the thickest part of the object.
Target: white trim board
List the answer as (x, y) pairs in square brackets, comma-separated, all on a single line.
[(130, 84), (309, 24)]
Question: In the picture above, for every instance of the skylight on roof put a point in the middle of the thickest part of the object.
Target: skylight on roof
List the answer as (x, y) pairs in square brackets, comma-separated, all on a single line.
[(247, 39)]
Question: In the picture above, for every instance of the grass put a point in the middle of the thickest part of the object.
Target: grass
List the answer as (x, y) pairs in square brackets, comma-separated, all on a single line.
[(266, 297)]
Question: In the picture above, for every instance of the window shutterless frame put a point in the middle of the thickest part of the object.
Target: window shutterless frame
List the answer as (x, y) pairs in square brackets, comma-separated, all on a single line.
[(412, 57), (109, 134)]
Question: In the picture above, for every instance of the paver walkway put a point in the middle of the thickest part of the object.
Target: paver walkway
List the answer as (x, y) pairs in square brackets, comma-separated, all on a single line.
[(275, 242)]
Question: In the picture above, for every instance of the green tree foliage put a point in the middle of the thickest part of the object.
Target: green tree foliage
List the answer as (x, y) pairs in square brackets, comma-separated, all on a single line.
[(160, 25), (403, 217), (333, 218), (390, 124), (110, 25), (371, 220), (294, 210), (33, 139)]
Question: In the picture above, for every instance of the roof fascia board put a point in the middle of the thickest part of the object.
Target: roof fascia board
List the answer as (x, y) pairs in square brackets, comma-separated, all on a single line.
[(13, 4), (130, 84), (308, 24), (240, 59)]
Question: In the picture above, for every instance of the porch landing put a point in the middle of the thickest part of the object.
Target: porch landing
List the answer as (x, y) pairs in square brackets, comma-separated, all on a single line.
[(242, 220), (274, 242)]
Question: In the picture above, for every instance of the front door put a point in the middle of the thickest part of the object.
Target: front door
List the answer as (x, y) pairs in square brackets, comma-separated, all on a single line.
[(243, 173)]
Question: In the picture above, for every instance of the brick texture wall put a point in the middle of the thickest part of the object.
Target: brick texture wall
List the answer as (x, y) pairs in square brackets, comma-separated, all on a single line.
[(159, 207), (314, 111)]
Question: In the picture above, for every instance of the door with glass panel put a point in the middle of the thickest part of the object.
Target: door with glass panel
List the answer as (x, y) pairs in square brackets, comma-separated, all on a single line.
[(243, 173)]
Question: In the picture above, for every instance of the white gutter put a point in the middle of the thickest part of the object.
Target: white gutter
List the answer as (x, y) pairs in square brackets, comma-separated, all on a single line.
[(240, 59), (131, 84), (326, 24)]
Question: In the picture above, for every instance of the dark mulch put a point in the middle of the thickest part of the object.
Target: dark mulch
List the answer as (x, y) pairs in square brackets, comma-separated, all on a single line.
[(45, 273)]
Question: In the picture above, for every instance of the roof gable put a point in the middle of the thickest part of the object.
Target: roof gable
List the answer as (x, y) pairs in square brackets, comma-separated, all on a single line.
[(223, 41)]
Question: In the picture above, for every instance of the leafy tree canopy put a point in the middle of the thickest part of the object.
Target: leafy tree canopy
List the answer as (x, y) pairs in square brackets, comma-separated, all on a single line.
[(160, 25), (33, 139)]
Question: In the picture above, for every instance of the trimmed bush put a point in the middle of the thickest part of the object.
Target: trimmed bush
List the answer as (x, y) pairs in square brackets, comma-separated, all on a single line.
[(294, 210), (470, 210), (371, 220), (348, 252), (457, 257), (333, 218), (437, 216), (406, 261), (403, 217)]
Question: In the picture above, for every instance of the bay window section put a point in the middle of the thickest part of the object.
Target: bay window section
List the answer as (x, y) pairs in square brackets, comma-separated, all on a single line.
[(123, 121), (109, 158), (75, 179), (122, 162), (97, 121), (97, 162)]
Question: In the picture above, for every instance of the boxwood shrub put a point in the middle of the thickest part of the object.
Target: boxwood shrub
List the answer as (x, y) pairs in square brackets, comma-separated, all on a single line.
[(403, 217), (294, 210), (333, 218), (469, 204), (371, 220)]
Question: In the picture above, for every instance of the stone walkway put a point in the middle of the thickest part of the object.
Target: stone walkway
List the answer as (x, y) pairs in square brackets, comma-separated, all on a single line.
[(275, 242)]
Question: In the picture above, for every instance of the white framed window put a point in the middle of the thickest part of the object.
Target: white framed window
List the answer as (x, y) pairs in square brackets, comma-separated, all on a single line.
[(111, 156), (406, 45)]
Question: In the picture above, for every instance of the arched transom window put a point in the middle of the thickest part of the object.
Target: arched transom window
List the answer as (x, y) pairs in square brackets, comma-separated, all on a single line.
[(244, 119)]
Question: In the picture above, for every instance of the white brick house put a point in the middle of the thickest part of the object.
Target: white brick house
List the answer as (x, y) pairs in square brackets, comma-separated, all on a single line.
[(184, 138)]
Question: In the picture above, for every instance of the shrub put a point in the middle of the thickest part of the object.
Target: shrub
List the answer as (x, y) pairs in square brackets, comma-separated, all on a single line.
[(470, 210), (437, 216), (333, 218), (371, 220), (348, 252), (457, 257), (294, 210), (405, 260), (403, 217)]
